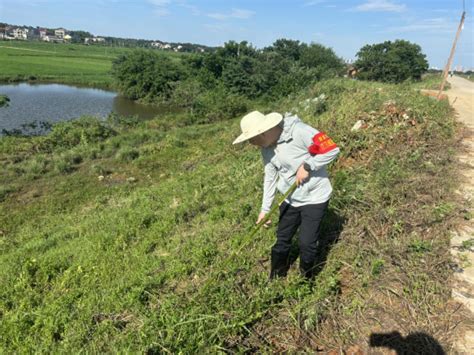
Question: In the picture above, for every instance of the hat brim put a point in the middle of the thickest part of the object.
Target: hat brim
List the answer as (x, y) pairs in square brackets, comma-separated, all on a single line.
[(271, 120)]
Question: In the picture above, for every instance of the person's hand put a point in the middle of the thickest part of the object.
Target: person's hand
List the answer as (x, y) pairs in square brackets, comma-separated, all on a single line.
[(301, 176), (262, 216)]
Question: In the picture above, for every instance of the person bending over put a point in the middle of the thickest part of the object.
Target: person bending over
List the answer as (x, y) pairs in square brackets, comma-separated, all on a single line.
[(292, 151)]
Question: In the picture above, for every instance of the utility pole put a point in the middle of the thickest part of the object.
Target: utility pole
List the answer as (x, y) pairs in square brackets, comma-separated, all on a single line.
[(450, 60)]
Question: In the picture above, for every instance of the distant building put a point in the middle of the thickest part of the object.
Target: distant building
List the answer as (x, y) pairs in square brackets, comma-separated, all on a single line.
[(60, 32), (20, 33), (161, 45), (88, 40), (55, 39), (8, 32), (43, 33)]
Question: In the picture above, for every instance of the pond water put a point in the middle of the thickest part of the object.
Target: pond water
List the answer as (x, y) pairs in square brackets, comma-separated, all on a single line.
[(30, 103)]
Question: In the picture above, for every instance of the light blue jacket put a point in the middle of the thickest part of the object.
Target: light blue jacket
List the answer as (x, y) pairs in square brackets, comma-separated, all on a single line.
[(283, 160)]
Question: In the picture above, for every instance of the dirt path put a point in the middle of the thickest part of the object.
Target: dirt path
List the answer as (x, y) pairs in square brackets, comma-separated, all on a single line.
[(461, 96)]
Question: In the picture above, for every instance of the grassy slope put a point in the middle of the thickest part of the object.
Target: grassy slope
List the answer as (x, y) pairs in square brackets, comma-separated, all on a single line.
[(147, 264), (63, 63)]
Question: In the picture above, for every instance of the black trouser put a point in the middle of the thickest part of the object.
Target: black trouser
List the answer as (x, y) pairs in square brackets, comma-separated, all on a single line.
[(308, 218)]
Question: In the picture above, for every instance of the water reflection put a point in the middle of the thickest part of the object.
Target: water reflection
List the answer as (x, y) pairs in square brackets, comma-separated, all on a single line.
[(54, 102), (125, 107)]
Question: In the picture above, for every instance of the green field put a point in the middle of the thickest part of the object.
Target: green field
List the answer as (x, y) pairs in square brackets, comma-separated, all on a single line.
[(58, 62), (120, 236)]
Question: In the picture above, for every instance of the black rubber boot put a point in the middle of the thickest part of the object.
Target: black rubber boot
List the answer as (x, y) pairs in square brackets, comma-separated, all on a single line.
[(307, 270), (279, 265)]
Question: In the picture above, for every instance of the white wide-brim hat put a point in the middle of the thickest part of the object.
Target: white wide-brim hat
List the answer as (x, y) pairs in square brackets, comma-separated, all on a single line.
[(254, 123)]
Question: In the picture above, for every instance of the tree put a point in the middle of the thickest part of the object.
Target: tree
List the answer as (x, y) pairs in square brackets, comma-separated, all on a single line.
[(146, 75), (288, 48), (317, 56), (391, 62)]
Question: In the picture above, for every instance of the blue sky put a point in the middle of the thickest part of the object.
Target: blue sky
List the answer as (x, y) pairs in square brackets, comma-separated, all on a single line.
[(344, 25)]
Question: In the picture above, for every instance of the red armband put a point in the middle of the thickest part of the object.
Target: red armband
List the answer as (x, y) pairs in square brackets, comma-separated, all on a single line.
[(321, 144)]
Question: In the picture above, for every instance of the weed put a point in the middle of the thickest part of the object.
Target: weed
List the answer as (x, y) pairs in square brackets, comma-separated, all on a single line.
[(467, 245), (420, 246), (127, 154), (377, 267)]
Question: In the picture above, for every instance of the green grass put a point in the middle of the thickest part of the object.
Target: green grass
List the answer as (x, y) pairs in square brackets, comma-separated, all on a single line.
[(431, 81), (59, 62), (120, 236)]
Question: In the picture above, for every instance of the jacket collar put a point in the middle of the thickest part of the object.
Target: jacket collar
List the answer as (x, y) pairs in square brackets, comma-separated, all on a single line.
[(288, 124)]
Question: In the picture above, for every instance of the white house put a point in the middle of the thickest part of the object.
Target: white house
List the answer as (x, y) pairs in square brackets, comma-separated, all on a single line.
[(94, 39), (60, 32), (20, 33), (43, 33), (53, 39)]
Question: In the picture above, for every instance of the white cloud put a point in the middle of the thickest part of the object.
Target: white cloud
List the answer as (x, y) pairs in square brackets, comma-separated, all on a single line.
[(433, 25), (160, 7), (381, 6), (314, 2), (159, 3), (214, 27), (194, 9), (235, 13)]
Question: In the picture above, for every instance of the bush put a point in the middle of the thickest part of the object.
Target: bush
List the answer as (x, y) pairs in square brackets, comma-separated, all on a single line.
[(146, 75), (82, 131), (391, 62), (218, 105), (238, 69)]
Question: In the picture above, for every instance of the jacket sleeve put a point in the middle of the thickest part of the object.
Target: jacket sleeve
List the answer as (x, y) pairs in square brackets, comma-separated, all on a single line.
[(304, 135), (269, 183)]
